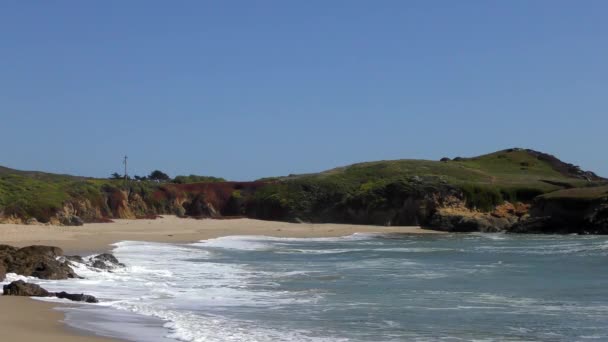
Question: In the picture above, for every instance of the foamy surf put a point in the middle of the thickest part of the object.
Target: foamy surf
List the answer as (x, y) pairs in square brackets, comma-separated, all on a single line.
[(362, 287)]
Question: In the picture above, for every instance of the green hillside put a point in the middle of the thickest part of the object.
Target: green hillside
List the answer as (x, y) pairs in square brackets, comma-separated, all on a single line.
[(39, 195), (514, 167), (587, 193), (486, 181), (360, 193)]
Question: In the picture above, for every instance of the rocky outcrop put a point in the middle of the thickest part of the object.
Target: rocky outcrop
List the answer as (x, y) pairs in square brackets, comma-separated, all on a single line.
[(202, 200), (199, 207), (467, 220), (452, 221), (77, 297), (72, 221), (74, 213), (32, 222), (21, 288), (510, 210), (75, 259), (47, 262), (453, 215), (566, 216), (104, 261), (35, 261), (12, 219)]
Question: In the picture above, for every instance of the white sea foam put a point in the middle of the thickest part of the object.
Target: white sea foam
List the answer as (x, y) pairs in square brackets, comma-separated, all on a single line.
[(159, 282), (260, 242), (225, 289)]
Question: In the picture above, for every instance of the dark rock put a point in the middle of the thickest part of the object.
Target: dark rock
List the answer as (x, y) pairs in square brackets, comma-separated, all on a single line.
[(38, 261), (458, 223), (21, 288), (45, 269), (105, 261), (99, 264), (199, 207), (50, 251), (565, 216), (454, 222), (75, 258), (445, 159), (7, 249), (6, 257), (72, 221), (107, 257), (77, 297), (535, 225)]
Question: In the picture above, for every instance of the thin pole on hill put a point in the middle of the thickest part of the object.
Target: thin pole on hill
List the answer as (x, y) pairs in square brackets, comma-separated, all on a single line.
[(126, 174)]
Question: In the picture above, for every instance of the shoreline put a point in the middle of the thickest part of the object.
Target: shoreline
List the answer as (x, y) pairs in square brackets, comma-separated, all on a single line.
[(26, 319), (98, 237)]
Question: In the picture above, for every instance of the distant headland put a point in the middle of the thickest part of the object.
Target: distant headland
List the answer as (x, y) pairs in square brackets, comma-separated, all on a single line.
[(514, 190)]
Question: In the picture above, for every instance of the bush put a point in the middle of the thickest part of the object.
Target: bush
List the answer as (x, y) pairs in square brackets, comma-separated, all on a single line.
[(196, 179), (159, 176), (481, 197)]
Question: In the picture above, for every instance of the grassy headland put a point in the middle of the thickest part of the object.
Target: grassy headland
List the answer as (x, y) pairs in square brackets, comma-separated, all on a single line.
[(393, 192)]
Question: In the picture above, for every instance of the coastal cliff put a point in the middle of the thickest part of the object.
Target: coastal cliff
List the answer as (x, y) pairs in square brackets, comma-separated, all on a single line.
[(583, 210), (514, 190)]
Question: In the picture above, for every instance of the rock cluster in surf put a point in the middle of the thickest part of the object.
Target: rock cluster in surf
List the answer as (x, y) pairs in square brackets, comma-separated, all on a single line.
[(47, 262)]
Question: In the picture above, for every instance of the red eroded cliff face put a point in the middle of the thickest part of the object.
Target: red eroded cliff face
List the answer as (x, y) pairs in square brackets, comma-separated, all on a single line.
[(206, 199), (214, 200)]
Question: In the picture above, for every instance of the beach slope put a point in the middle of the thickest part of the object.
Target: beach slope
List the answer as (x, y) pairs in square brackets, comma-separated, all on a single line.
[(98, 237)]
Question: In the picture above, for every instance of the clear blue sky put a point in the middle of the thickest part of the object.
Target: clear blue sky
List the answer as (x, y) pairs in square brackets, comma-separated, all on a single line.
[(245, 89)]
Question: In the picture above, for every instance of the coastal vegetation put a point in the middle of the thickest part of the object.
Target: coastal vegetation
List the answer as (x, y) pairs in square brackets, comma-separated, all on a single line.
[(513, 175), (459, 193)]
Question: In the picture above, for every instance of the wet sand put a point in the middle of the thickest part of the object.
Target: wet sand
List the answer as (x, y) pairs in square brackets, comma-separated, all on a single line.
[(28, 320)]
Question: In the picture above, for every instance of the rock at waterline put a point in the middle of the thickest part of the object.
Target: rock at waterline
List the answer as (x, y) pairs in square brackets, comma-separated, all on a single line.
[(75, 258), (77, 297), (21, 288), (35, 261), (105, 261)]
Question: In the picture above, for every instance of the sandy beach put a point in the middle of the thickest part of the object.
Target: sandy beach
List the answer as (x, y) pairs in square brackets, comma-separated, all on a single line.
[(98, 237), (28, 320), (24, 319)]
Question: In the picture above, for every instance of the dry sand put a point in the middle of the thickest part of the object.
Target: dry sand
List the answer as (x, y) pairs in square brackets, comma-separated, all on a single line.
[(98, 237), (24, 319)]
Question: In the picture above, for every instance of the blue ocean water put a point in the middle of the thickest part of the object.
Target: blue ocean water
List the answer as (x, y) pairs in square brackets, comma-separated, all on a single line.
[(364, 287)]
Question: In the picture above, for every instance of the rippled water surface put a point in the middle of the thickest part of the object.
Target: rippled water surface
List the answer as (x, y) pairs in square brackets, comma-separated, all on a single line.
[(363, 287)]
